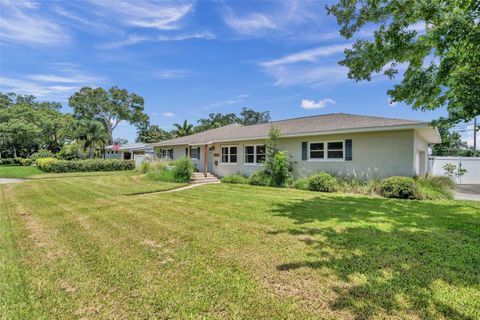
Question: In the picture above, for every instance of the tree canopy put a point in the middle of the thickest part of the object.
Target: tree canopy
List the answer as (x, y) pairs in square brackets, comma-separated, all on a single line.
[(152, 133), (451, 145), (27, 125), (183, 129), (437, 41), (109, 107), (247, 116)]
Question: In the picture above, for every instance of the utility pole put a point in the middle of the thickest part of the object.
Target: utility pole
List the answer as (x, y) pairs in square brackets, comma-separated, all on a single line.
[(475, 137)]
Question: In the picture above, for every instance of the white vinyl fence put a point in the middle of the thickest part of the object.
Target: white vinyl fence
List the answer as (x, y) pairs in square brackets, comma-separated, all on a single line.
[(139, 158), (471, 164)]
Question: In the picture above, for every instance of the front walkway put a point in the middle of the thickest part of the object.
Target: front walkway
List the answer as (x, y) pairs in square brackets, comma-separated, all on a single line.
[(10, 180), (468, 192)]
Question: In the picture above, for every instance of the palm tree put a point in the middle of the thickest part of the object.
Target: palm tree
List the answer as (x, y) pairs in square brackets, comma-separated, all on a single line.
[(90, 133), (183, 130)]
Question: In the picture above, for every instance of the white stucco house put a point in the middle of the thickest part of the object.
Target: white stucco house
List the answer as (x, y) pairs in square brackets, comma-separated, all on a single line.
[(347, 145)]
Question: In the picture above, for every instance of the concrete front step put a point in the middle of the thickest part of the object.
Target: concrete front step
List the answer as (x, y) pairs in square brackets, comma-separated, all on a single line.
[(205, 181)]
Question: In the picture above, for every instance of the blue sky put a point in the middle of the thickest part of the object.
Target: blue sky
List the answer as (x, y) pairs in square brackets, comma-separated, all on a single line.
[(189, 58)]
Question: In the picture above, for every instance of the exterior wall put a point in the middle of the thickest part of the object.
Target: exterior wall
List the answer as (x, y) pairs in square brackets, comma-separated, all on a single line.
[(178, 151), (420, 162), (117, 155), (374, 155)]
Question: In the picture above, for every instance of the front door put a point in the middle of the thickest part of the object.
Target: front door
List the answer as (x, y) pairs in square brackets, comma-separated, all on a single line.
[(210, 160)]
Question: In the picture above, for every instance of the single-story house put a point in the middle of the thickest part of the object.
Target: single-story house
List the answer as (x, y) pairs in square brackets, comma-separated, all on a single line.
[(348, 145), (125, 151)]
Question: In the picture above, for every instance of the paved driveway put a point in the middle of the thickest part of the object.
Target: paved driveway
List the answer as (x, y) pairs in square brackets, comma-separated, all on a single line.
[(10, 180), (468, 192)]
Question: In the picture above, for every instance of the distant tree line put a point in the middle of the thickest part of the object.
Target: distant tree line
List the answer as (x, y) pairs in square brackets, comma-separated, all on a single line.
[(28, 125)]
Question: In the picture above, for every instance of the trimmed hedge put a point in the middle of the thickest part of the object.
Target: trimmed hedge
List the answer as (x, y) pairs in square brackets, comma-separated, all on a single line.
[(399, 187), (42, 163), (11, 161), (59, 166)]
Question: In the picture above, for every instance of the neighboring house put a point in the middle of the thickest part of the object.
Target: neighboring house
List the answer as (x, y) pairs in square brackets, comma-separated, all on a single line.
[(125, 151), (358, 146)]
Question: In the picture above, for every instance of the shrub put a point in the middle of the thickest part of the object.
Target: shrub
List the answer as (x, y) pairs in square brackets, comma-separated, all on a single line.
[(71, 152), (42, 153), (322, 182), (11, 161), (435, 187), (235, 178), (85, 165), (301, 184), (144, 167), (260, 178), (161, 175), (26, 162), (183, 170), (43, 163), (399, 187), (279, 168)]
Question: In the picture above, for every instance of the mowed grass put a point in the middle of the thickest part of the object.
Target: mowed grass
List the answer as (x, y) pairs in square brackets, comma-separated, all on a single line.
[(18, 171), (84, 247)]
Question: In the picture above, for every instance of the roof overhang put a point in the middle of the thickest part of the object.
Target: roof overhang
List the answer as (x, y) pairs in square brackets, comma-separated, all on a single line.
[(424, 129)]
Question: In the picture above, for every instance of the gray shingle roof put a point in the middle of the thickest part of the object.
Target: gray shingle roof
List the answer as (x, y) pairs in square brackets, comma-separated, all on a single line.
[(292, 127)]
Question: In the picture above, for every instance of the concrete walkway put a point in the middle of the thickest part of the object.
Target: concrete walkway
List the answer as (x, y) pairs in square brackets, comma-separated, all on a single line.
[(10, 180), (190, 186), (468, 192)]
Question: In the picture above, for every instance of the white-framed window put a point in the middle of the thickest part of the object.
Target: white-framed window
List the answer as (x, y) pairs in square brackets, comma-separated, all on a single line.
[(196, 153), (326, 150), (317, 150), (255, 153), (167, 154), (229, 154)]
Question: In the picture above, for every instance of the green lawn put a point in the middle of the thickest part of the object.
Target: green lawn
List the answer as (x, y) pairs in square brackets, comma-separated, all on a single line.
[(84, 247), (18, 171)]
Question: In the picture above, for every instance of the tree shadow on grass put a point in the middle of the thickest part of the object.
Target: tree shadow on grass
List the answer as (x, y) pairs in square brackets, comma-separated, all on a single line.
[(392, 257)]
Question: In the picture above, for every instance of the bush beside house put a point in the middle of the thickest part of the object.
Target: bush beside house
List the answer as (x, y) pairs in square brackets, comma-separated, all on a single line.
[(180, 171), (429, 188)]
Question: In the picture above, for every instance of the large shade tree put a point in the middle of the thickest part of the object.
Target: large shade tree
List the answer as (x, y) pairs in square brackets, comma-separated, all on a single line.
[(437, 41), (27, 125), (109, 107), (151, 134)]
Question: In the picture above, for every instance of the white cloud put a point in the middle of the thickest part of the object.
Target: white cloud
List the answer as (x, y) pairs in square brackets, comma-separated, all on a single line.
[(311, 55), (21, 23), (248, 24), (135, 39), (312, 104), (168, 114), (276, 18), (50, 86), (72, 78), (314, 67), (316, 76), (172, 74), (165, 15), (239, 98)]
